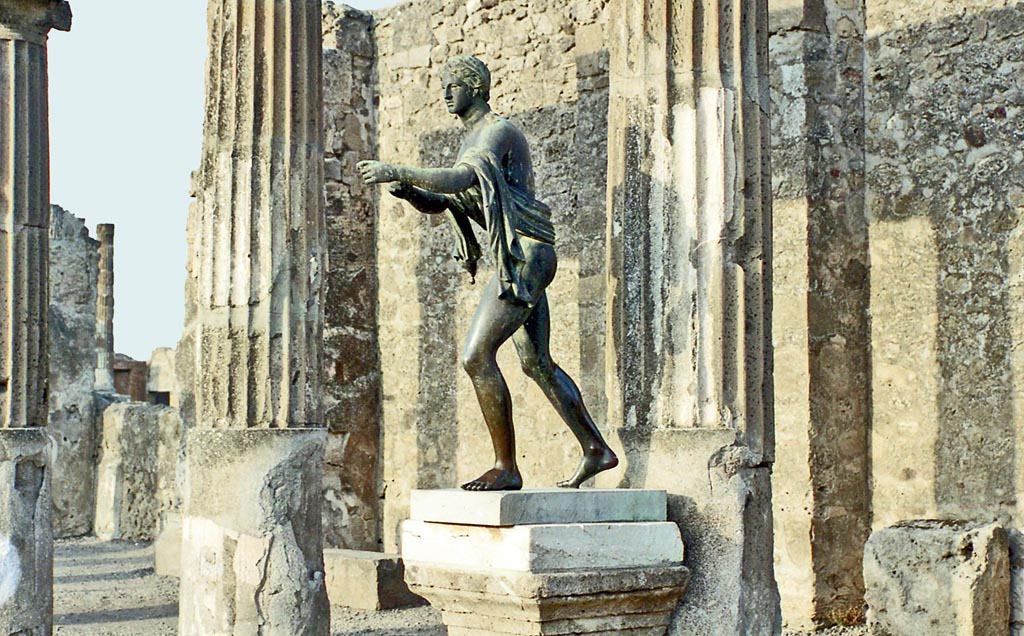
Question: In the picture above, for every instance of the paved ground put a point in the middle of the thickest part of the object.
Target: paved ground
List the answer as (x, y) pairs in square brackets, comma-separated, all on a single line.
[(110, 589)]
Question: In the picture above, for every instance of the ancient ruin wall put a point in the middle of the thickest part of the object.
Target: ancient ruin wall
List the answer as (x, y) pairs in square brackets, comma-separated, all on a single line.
[(821, 322), (72, 333), (549, 65), (352, 394), (945, 196)]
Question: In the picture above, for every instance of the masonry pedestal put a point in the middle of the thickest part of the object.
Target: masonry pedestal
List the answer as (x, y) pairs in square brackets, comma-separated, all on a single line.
[(594, 562), (252, 561), (26, 540)]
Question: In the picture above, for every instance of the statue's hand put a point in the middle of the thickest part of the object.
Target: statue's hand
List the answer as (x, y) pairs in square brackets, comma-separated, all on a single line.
[(377, 172), (400, 189)]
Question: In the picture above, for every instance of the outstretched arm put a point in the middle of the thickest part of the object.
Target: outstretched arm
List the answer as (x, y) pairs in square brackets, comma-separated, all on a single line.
[(445, 180)]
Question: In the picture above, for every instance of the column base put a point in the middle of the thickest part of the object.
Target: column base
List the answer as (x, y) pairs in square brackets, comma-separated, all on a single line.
[(251, 552), (550, 576), (722, 505), (26, 537)]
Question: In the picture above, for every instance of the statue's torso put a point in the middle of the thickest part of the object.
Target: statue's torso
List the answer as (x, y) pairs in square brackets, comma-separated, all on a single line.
[(507, 142)]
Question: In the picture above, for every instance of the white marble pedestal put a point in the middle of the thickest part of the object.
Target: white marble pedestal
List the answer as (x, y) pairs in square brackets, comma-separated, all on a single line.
[(533, 562)]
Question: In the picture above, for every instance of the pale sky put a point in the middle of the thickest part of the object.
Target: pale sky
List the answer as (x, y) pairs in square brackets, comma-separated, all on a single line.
[(126, 111)]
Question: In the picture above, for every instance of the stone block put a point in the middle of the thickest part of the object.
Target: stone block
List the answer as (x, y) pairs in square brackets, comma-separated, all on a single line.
[(543, 548), (167, 547), (474, 601), (549, 578), (161, 381), (136, 476), (539, 506), (252, 556), (941, 578), (367, 580), (26, 537), (724, 514)]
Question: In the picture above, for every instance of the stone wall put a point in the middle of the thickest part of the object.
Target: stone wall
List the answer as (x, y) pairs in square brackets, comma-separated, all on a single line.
[(352, 394), (72, 334), (821, 327), (945, 195), (549, 66)]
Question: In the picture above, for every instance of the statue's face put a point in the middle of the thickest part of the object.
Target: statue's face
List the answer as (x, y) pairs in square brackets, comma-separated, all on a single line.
[(457, 96)]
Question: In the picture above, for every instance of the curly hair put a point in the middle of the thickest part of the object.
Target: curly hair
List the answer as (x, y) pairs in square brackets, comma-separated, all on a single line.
[(471, 72)]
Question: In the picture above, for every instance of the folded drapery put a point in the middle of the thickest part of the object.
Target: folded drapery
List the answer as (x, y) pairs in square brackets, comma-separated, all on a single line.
[(506, 212)]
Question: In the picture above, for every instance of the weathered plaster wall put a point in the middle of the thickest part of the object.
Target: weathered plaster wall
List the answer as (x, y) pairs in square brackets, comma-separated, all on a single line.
[(945, 195), (549, 67), (821, 322), (352, 394), (72, 335)]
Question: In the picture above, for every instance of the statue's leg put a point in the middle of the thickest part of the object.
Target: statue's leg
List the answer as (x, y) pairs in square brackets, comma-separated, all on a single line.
[(494, 322), (532, 344)]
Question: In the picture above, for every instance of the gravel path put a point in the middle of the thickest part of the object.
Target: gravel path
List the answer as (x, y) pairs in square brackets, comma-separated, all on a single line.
[(110, 589)]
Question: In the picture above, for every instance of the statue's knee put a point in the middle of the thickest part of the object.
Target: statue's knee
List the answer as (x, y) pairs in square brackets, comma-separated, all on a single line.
[(473, 361), (535, 369)]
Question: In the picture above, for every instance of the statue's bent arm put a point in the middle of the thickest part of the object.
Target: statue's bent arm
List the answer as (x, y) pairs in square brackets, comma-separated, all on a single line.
[(425, 201), (443, 180)]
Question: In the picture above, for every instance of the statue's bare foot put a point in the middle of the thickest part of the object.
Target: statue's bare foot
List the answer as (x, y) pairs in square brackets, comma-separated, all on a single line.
[(496, 479), (593, 462)]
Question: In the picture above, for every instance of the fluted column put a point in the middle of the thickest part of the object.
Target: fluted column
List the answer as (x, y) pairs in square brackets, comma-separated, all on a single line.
[(259, 242), (252, 559), (26, 540), (689, 255), (105, 309)]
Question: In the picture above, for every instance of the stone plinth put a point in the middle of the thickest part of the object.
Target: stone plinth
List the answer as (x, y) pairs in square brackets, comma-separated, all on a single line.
[(167, 547), (136, 476), (367, 580), (941, 578), (548, 576), (539, 506), (252, 561), (26, 540)]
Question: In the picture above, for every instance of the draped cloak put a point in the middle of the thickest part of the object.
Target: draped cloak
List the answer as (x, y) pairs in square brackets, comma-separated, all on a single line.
[(506, 212)]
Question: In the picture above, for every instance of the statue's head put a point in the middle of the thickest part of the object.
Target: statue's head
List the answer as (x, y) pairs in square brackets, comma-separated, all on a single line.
[(471, 73)]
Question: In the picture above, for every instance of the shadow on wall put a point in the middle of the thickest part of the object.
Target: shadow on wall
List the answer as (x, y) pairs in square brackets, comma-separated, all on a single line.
[(946, 190)]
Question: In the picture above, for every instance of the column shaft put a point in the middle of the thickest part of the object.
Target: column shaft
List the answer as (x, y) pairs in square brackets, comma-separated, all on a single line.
[(105, 309), (690, 217), (258, 247), (24, 237)]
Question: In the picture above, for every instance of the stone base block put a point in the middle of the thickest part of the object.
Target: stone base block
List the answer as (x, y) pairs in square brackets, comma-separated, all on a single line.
[(367, 580), (537, 506), (541, 578), (941, 578), (577, 602), (136, 470), (26, 537), (723, 509), (543, 548), (167, 547), (252, 555)]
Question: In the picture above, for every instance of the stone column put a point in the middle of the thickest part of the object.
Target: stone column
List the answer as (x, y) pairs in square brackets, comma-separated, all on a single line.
[(26, 540), (689, 249), (105, 309), (257, 258)]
